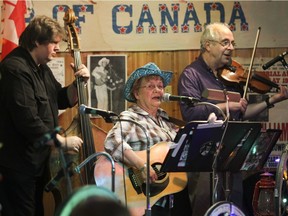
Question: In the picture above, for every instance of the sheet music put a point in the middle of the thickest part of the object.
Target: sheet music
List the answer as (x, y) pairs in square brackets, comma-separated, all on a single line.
[(178, 145), (196, 141), (184, 155), (185, 152)]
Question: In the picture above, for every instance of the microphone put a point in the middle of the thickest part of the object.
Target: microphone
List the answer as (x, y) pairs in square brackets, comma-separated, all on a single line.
[(47, 137), (107, 115), (54, 181), (273, 61), (189, 100)]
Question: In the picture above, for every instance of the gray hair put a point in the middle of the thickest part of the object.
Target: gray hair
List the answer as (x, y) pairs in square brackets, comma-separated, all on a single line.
[(212, 32)]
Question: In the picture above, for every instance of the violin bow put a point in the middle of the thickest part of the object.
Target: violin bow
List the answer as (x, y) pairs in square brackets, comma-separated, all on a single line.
[(251, 62)]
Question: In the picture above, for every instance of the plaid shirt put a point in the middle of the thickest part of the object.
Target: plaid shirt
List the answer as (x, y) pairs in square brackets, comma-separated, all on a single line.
[(129, 132)]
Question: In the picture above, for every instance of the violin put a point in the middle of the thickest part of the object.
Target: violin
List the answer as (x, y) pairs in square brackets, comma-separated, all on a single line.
[(235, 73)]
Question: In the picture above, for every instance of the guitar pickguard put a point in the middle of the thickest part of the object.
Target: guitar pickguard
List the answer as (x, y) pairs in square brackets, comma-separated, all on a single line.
[(155, 188)]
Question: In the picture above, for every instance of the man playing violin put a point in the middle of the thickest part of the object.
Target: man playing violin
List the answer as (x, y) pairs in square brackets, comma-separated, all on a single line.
[(217, 44)]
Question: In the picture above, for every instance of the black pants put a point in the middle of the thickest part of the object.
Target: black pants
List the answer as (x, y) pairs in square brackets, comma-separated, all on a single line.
[(20, 194), (201, 190), (160, 211), (181, 206)]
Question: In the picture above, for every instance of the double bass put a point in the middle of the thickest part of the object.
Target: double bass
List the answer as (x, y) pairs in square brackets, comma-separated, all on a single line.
[(81, 126), (86, 134)]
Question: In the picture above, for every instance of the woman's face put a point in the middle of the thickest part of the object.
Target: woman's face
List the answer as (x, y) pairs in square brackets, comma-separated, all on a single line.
[(149, 93)]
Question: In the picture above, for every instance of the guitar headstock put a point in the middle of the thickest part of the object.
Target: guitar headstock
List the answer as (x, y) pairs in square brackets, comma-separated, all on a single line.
[(72, 36)]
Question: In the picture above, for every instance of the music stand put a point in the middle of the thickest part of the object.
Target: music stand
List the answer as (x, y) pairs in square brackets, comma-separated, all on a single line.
[(261, 149), (196, 145), (237, 142), (194, 148)]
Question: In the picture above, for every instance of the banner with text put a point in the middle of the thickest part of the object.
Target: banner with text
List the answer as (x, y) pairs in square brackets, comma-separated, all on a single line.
[(167, 25)]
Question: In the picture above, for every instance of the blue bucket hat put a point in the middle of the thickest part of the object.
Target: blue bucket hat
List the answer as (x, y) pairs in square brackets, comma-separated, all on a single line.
[(146, 70)]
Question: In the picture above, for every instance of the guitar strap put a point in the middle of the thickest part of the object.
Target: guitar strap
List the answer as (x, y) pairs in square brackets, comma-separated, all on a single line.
[(177, 122)]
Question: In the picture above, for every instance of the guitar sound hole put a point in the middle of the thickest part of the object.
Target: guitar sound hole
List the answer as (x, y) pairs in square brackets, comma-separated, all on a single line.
[(157, 168), (159, 185)]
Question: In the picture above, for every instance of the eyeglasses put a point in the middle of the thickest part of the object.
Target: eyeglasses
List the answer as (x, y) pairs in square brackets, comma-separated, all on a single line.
[(152, 87), (225, 43)]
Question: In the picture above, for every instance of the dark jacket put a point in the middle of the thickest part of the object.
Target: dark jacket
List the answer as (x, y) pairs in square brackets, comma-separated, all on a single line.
[(30, 97)]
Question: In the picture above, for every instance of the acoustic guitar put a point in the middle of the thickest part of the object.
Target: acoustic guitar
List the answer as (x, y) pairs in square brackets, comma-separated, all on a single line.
[(129, 184)]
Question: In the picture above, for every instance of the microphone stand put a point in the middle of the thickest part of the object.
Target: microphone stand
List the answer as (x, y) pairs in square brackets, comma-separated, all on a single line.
[(148, 207), (64, 164), (214, 165), (112, 117), (215, 162), (215, 106), (284, 63), (108, 156)]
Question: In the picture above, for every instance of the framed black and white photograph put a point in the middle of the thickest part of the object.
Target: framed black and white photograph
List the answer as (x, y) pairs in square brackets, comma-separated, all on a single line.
[(107, 78)]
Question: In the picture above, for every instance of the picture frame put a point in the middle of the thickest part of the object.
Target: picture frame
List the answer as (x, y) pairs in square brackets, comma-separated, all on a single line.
[(107, 79)]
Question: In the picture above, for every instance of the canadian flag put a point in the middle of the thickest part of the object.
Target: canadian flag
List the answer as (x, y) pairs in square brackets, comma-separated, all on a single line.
[(13, 24)]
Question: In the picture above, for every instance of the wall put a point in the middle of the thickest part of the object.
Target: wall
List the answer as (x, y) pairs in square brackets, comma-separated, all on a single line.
[(166, 60)]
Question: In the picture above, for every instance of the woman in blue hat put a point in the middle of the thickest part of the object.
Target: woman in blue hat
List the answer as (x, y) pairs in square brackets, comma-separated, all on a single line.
[(145, 88)]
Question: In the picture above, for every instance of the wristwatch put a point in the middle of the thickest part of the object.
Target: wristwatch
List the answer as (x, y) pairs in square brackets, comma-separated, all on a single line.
[(269, 105)]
